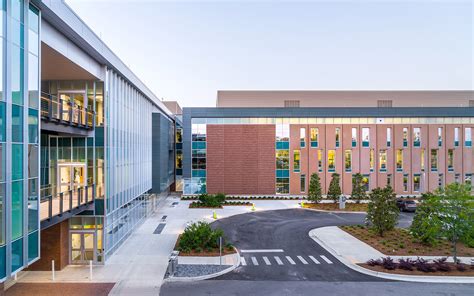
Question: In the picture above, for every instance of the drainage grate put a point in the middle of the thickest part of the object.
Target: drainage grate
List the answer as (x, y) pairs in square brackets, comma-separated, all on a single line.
[(164, 217), (159, 229), (175, 203)]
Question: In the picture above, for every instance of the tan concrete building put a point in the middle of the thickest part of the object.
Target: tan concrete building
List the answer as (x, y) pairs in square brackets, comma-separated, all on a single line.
[(422, 98)]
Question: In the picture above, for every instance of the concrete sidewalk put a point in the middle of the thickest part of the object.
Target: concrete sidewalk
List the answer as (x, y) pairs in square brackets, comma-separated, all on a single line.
[(139, 265), (350, 251)]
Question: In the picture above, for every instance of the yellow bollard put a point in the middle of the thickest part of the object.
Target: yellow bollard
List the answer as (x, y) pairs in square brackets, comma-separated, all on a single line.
[(214, 215), (253, 206), (302, 204)]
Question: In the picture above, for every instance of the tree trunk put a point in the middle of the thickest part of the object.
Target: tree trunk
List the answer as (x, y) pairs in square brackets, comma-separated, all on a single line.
[(455, 256)]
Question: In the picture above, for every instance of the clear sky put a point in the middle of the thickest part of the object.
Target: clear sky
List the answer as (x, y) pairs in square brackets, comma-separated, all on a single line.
[(186, 51)]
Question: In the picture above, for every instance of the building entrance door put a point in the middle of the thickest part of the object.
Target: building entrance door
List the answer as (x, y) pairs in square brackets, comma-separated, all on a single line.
[(71, 176), (83, 247)]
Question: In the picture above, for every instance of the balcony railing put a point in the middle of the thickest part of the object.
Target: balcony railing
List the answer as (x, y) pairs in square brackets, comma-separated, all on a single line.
[(56, 109), (53, 204)]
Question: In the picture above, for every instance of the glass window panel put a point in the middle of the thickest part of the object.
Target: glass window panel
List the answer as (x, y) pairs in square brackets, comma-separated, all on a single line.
[(33, 168), (17, 255), (17, 209), (17, 123), (3, 161), (331, 160), (33, 246), (17, 75), (1, 55), (33, 88), (17, 10), (32, 204), (3, 124), (2, 222), (32, 126), (3, 261), (365, 137), (17, 161), (399, 160), (434, 159), (296, 160), (348, 160), (383, 160)]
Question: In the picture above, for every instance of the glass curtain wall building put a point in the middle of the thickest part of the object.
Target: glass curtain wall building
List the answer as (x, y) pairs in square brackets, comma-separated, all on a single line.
[(19, 135), (75, 142)]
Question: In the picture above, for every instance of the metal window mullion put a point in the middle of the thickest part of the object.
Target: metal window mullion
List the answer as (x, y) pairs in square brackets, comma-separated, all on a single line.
[(8, 147), (26, 140)]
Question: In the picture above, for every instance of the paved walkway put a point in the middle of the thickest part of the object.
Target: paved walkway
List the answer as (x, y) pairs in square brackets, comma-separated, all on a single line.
[(139, 265)]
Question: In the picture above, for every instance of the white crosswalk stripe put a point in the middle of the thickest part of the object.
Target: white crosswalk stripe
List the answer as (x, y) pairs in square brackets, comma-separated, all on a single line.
[(326, 259), (278, 260), (242, 261), (314, 259), (290, 260), (302, 260), (267, 262), (254, 261)]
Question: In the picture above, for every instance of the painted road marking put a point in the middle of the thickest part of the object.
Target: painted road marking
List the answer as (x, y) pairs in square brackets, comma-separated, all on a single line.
[(254, 260), (314, 259), (326, 259), (267, 262), (262, 251), (277, 259), (242, 261), (290, 260), (302, 260)]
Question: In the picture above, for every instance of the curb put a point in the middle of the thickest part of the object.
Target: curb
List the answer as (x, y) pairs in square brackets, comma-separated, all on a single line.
[(336, 211), (207, 276), (391, 276)]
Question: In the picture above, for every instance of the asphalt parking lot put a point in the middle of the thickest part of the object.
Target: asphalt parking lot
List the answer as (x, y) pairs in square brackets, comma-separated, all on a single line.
[(275, 246), (279, 258)]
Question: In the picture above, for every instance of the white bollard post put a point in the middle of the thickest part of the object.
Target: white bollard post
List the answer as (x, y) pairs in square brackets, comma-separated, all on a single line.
[(52, 270), (220, 250), (16, 276), (90, 269)]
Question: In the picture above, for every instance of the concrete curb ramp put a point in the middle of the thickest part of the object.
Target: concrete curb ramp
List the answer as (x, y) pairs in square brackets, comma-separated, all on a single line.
[(235, 260), (314, 234)]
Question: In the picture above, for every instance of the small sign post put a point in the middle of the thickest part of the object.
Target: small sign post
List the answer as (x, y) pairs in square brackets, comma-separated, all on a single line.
[(220, 250)]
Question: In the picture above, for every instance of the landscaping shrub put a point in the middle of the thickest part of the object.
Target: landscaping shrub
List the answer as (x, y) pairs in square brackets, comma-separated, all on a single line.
[(388, 263), (373, 262), (210, 201), (423, 265), (441, 264), (199, 236), (406, 264), (461, 267)]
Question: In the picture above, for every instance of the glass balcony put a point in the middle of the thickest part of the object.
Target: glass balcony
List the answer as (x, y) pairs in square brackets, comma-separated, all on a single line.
[(53, 204), (66, 112)]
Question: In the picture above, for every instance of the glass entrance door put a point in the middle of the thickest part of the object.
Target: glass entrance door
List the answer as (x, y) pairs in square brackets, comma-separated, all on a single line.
[(83, 247), (71, 176)]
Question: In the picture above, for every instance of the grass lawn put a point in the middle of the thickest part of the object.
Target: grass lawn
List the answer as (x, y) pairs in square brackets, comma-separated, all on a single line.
[(400, 242), (350, 207)]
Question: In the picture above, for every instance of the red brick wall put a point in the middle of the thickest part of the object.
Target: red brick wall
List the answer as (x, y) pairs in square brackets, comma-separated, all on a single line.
[(54, 246), (241, 159)]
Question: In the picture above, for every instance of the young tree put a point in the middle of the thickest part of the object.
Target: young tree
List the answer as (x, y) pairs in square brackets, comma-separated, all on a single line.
[(314, 192), (426, 226), (334, 188), (382, 212), (453, 209), (358, 190)]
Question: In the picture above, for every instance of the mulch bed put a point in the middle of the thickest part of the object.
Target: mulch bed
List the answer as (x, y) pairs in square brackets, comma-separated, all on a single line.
[(60, 289), (350, 207), (204, 253), (400, 242), (454, 272)]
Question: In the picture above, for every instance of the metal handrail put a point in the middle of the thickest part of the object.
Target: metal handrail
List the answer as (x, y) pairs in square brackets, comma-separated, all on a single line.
[(57, 109), (66, 201)]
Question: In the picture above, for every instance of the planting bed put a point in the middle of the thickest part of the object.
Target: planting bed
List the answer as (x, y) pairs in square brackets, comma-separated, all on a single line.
[(438, 267), (350, 207), (400, 242)]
